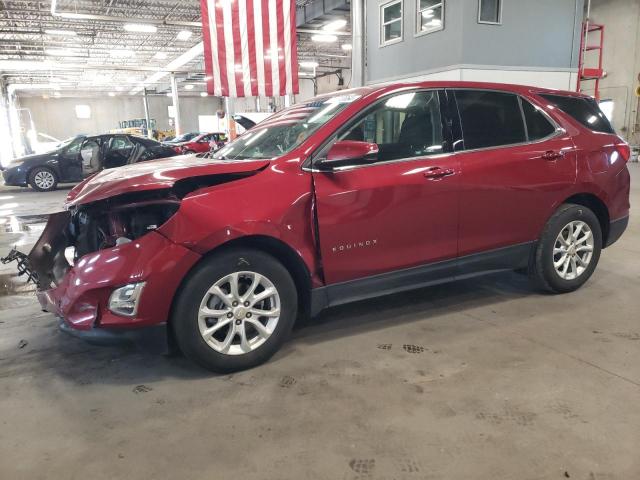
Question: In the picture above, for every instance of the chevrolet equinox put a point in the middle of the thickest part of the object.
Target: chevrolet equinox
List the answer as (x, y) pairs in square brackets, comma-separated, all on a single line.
[(344, 197)]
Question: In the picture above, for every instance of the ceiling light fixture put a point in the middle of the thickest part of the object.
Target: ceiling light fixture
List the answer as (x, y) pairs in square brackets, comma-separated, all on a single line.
[(309, 64), (62, 52), (204, 94), (122, 53), (188, 87), (68, 33), (346, 47), (140, 27), (184, 35), (335, 25), (112, 94), (324, 38)]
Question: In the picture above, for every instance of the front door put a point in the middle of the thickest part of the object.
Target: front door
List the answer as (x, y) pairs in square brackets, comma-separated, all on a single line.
[(399, 212)]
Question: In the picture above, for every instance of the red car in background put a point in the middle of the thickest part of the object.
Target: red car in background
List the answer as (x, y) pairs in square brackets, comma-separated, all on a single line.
[(345, 197), (202, 143)]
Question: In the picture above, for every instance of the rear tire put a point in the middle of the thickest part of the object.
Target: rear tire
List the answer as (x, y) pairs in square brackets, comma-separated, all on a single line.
[(43, 179), (235, 310), (568, 250)]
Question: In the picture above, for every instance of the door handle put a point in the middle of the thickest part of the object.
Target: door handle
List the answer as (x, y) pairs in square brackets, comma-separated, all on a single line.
[(552, 155), (436, 173)]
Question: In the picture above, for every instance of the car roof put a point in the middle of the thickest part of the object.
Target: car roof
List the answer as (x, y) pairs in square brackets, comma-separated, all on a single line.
[(508, 87)]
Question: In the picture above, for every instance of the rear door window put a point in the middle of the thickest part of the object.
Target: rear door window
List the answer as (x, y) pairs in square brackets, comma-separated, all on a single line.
[(490, 119), (538, 125), (582, 109)]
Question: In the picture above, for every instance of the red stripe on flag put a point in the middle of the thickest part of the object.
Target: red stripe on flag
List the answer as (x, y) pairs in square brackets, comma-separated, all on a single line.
[(222, 50), (268, 80), (208, 57), (237, 49), (281, 59), (251, 36), (294, 48)]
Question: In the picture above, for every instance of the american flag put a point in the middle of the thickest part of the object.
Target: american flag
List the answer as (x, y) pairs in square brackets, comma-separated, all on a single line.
[(250, 47)]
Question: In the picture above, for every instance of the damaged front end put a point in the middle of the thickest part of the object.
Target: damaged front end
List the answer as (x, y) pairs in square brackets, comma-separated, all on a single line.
[(105, 264)]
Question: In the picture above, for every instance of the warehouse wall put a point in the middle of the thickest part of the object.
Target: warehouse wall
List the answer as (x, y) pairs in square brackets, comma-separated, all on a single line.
[(621, 61), (57, 116), (539, 37)]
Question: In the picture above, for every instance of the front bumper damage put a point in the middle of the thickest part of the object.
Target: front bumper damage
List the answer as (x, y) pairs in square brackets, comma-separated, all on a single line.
[(109, 254)]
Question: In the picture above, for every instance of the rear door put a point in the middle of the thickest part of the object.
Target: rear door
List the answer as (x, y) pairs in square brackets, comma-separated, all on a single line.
[(401, 211), (513, 172)]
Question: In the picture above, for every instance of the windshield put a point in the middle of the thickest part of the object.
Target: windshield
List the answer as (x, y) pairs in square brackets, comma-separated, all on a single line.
[(286, 130)]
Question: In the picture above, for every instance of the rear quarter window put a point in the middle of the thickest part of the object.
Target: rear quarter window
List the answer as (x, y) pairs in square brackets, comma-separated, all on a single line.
[(583, 110)]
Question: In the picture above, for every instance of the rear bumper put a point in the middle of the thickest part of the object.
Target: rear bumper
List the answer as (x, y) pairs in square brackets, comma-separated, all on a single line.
[(616, 229)]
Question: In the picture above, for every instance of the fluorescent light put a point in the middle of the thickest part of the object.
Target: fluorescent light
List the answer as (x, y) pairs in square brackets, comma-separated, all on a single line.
[(169, 94), (309, 64), (122, 53), (335, 25), (346, 47), (160, 56), (69, 33), (140, 27), (324, 38), (188, 87), (112, 94), (62, 52), (184, 35), (204, 94), (186, 57)]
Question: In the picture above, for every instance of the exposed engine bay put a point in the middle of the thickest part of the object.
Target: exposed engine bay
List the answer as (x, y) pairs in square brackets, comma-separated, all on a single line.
[(114, 221)]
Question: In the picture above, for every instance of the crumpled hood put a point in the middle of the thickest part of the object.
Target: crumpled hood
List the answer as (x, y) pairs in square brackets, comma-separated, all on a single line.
[(154, 175)]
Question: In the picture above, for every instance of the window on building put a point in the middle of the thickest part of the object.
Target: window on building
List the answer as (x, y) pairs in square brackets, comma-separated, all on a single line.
[(490, 119), (582, 109), (404, 126), (391, 22), (538, 125), (430, 17), (490, 11)]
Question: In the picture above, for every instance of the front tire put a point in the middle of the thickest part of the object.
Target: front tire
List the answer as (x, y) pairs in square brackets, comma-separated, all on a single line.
[(568, 250), (235, 310), (43, 179)]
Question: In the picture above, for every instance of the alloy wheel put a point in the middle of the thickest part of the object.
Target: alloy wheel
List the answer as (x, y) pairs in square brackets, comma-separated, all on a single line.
[(44, 179), (573, 250), (239, 313)]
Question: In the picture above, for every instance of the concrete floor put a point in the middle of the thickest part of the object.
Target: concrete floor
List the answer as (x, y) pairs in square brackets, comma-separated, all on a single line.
[(480, 379)]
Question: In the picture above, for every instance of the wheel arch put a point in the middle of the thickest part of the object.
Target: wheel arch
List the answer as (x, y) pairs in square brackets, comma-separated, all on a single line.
[(53, 170), (278, 249), (597, 206)]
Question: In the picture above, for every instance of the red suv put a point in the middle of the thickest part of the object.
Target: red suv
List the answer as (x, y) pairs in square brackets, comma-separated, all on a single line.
[(202, 143), (345, 197)]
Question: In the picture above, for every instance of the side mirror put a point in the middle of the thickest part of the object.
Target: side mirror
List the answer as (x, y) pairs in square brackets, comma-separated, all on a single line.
[(347, 153)]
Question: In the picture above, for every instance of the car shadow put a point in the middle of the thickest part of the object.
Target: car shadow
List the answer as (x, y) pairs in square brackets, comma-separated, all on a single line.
[(83, 364)]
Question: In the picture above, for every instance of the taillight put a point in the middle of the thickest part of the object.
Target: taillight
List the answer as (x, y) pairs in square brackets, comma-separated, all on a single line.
[(624, 150)]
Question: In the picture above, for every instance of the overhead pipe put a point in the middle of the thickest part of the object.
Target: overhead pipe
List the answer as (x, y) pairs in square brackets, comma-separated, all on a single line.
[(110, 18)]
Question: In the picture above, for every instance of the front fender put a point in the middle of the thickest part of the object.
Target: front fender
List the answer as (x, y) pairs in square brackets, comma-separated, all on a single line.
[(252, 206)]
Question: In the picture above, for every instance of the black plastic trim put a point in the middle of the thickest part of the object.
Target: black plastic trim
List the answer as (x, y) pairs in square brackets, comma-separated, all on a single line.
[(501, 259), (616, 229)]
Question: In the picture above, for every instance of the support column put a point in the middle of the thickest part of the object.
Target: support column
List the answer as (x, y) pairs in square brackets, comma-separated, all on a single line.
[(145, 100), (176, 104), (357, 43)]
